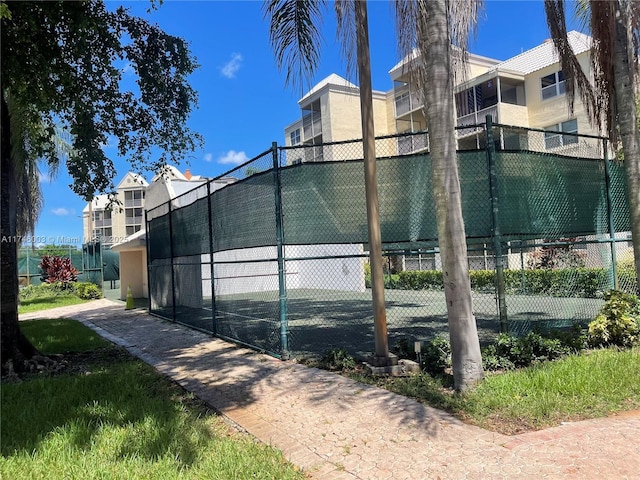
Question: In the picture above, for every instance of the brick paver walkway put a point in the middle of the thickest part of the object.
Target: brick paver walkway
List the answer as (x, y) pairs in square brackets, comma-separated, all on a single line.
[(335, 428)]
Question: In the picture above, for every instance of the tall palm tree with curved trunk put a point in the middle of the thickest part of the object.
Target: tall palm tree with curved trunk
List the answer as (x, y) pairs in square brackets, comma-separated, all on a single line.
[(611, 98), (430, 27)]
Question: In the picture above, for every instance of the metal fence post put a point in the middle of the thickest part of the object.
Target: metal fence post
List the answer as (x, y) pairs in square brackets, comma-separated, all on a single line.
[(282, 288), (214, 323), (495, 226), (612, 229), (148, 248), (173, 280)]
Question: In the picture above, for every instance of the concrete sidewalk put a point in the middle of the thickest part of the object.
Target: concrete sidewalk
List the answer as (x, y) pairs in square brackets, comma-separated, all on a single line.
[(335, 428)]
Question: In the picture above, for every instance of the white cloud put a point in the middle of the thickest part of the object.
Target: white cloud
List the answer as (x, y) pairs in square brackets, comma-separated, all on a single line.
[(208, 157), (233, 157), (230, 69), (62, 212), (44, 177)]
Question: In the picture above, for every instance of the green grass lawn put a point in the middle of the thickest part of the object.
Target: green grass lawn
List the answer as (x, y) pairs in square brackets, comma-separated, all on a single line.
[(112, 416), (600, 383), (44, 303)]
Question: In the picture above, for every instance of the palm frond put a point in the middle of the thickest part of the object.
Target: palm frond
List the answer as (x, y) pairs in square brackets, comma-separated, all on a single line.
[(463, 23), (576, 79), (294, 34), (26, 128), (410, 18)]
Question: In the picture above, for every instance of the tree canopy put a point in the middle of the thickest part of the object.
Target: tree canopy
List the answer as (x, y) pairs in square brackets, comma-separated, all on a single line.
[(65, 63)]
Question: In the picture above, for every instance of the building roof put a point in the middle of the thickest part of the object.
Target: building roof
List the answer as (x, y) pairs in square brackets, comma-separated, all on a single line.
[(168, 172), (527, 62), (134, 241), (332, 80), (544, 55), (99, 203), (132, 180)]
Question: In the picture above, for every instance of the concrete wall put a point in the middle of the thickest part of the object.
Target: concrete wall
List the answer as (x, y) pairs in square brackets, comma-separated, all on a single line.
[(133, 272), (246, 276)]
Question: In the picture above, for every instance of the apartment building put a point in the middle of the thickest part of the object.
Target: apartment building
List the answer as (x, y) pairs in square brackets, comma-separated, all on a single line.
[(111, 222), (527, 90)]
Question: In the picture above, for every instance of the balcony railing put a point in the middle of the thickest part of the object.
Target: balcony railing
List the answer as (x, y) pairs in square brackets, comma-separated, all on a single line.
[(136, 202), (476, 118), (312, 125), (406, 104), (133, 221), (412, 143)]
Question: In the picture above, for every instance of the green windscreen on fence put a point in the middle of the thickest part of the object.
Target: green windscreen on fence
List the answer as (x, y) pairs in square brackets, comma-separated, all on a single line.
[(549, 196), (243, 214), (539, 195), (273, 254)]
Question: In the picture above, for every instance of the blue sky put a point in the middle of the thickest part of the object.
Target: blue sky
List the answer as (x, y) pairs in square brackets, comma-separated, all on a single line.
[(244, 104)]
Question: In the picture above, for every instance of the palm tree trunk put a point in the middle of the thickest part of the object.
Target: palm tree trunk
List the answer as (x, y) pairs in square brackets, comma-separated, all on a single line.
[(438, 95), (628, 125), (371, 183), (14, 347)]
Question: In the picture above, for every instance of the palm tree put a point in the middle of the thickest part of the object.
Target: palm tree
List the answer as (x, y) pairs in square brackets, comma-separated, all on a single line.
[(295, 39), (430, 27), (611, 99), (29, 195)]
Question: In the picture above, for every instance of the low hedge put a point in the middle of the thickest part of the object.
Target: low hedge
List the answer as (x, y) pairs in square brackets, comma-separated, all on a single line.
[(567, 282)]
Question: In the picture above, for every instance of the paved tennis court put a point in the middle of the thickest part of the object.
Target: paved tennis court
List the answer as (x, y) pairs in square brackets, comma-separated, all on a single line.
[(319, 320)]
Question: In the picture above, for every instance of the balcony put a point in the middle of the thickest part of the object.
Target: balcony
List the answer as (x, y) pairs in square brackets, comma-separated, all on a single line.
[(102, 223), (133, 221), (136, 202), (412, 143), (406, 102), (476, 118), (312, 125)]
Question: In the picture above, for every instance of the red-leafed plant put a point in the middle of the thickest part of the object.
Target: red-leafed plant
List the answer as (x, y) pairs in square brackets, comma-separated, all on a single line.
[(58, 269)]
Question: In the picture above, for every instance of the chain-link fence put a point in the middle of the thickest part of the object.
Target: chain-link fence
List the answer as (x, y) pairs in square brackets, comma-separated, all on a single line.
[(94, 262), (278, 259), (29, 259)]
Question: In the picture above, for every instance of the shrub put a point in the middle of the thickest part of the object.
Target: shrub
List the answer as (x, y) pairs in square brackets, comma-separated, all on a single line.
[(509, 351), (87, 290), (390, 280), (618, 322), (58, 269), (483, 280), (337, 359), (44, 290), (420, 280), (404, 348), (574, 339), (436, 355), (492, 361)]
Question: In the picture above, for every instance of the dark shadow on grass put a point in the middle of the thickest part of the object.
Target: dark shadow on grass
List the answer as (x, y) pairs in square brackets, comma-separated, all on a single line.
[(105, 389)]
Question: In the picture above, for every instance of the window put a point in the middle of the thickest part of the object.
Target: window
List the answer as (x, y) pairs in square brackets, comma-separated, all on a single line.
[(295, 137), (554, 139), (133, 229), (133, 198), (403, 103), (553, 85)]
